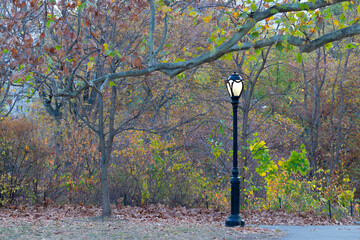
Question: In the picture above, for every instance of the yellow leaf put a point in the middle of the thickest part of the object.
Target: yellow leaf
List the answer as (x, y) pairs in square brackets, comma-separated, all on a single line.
[(280, 163), (106, 46), (165, 9), (207, 19), (90, 65), (192, 14)]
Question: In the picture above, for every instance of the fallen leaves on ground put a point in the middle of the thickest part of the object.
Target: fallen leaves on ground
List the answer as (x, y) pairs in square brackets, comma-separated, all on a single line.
[(162, 216), (162, 213)]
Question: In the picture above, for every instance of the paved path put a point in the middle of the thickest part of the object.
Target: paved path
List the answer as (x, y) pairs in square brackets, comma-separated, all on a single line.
[(318, 232)]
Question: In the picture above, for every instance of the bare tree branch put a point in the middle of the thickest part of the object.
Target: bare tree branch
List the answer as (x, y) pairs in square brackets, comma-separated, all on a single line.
[(152, 32), (232, 44)]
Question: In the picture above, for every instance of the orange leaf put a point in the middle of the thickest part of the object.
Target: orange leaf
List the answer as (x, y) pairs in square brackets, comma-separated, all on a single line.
[(14, 52)]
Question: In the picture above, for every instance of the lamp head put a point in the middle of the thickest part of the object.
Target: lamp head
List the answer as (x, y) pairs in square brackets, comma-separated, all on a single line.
[(234, 85)]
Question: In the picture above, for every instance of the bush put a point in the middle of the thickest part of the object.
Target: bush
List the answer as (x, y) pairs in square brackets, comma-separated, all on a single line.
[(149, 169), (22, 161), (288, 185)]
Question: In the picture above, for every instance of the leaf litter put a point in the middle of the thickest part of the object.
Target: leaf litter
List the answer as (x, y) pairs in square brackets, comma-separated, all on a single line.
[(151, 222)]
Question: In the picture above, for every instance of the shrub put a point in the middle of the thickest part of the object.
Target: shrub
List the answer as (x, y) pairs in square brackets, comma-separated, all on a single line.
[(287, 183), (22, 161)]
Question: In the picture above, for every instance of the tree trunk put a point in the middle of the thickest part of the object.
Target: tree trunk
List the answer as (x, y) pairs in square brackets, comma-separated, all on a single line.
[(313, 119), (104, 162), (106, 209)]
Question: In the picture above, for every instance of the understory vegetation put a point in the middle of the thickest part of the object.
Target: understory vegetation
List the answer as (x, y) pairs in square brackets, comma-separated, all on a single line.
[(152, 169)]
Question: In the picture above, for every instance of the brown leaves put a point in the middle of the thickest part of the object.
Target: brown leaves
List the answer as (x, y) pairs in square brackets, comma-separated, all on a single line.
[(134, 17), (61, 53), (28, 41), (137, 62), (19, 4), (10, 25), (40, 213), (272, 217), (162, 213), (49, 50), (14, 52), (95, 35), (34, 4)]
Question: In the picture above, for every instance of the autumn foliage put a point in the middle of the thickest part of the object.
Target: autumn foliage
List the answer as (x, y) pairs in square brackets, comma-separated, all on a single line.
[(23, 157), (129, 106)]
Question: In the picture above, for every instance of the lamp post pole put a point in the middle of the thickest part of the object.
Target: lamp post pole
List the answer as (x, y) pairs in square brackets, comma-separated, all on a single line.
[(235, 219)]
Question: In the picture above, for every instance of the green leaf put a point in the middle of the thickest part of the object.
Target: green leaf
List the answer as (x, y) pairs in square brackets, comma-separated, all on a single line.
[(82, 6), (328, 46), (117, 53), (49, 22), (180, 76), (227, 57), (299, 58), (304, 6), (254, 35), (110, 53), (349, 46), (58, 47), (4, 51), (253, 7), (279, 46), (179, 60), (258, 51), (274, 11), (17, 81), (221, 130), (111, 83), (220, 40)]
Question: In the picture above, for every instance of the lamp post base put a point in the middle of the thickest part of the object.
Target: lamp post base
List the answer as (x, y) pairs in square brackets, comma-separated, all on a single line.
[(234, 220)]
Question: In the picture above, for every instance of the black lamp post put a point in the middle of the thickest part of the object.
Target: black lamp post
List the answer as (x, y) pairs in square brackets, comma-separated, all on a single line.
[(235, 85)]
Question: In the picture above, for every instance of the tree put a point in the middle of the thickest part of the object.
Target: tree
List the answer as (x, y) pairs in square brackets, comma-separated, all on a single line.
[(82, 50)]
